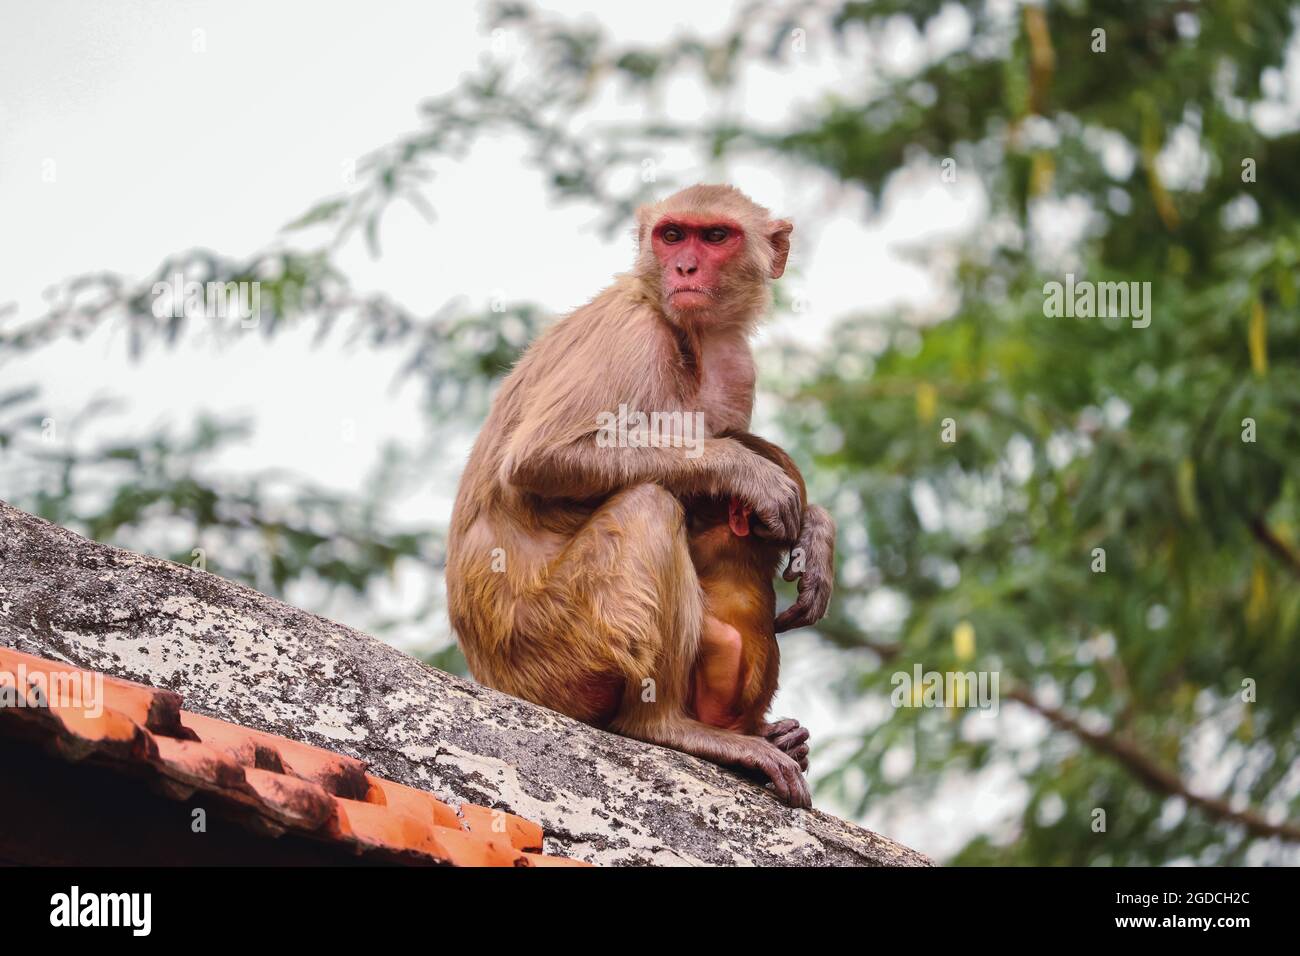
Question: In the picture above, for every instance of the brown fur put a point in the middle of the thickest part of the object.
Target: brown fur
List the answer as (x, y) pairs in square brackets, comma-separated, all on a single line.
[(569, 577), (735, 573)]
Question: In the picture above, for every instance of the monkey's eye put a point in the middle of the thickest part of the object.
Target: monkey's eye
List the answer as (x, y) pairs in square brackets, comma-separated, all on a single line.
[(715, 234), (671, 234)]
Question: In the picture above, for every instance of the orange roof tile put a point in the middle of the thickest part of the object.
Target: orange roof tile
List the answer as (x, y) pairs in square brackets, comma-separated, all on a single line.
[(287, 785)]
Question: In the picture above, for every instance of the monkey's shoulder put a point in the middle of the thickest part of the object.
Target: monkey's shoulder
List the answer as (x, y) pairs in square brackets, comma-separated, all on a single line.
[(616, 338)]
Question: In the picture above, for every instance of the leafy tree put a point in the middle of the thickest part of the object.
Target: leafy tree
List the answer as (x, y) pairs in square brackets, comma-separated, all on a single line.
[(1099, 512)]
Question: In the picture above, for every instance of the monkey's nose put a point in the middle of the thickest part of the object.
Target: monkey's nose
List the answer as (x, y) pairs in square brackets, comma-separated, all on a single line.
[(686, 267)]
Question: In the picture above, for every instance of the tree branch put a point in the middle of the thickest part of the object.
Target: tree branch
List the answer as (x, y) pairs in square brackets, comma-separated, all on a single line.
[(1153, 775), (1275, 545)]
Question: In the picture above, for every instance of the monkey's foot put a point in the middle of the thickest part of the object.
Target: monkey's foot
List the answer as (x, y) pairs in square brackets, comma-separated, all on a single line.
[(763, 757), (790, 738)]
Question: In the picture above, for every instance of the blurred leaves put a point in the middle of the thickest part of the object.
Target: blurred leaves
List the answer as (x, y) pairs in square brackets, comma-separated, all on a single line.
[(1169, 450)]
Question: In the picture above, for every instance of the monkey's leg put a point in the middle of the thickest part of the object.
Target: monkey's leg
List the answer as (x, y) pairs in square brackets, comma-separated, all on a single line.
[(717, 677), (620, 609), (657, 620), (729, 749), (590, 631), (619, 612), (720, 695)]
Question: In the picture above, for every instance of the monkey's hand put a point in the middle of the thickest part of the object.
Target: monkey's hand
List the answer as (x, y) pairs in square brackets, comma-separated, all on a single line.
[(812, 561), (790, 738), (774, 497)]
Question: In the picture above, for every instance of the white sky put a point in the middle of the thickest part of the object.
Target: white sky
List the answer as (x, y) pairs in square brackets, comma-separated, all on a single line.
[(158, 148)]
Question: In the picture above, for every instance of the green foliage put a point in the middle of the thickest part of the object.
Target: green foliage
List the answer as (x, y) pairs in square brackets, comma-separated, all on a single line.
[(1069, 434)]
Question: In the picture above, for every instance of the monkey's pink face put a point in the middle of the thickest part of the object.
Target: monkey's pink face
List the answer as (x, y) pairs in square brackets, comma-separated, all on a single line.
[(693, 255)]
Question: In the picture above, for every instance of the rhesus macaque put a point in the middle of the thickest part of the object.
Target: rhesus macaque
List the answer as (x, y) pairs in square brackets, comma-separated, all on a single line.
[(736, 675), (569, 574)]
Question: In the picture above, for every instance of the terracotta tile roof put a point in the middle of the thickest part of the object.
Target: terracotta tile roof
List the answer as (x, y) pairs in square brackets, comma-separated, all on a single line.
[(281, 785)]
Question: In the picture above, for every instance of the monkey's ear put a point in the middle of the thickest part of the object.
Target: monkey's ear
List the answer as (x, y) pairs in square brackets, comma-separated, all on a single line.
[(778, 235)]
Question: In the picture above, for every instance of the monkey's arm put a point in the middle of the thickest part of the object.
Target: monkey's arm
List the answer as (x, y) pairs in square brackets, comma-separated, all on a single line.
[(812, 561), (580, 468)]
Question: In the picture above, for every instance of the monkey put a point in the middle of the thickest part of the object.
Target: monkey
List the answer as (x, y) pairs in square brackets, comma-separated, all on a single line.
[(736, 673), (569, 576)]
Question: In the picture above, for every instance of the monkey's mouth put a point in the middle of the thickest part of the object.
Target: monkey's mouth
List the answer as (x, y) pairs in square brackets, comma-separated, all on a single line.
[(696, 291)]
